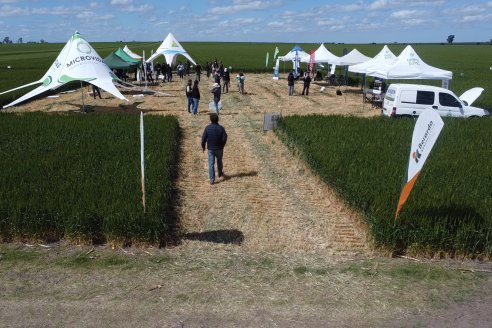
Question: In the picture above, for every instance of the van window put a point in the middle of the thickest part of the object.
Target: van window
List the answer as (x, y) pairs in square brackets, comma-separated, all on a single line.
[(425, 97), (417, 97), (445, 99)]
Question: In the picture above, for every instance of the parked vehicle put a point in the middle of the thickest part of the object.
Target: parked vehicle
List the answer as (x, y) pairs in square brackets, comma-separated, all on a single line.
[(412, 99)]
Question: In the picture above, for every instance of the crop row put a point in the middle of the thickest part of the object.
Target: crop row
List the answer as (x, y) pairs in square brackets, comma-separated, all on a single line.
[(364, 160), (78, 177)]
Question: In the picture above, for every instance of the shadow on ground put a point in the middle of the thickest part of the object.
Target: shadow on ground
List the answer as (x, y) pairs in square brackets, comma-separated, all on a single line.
[(217, 236)]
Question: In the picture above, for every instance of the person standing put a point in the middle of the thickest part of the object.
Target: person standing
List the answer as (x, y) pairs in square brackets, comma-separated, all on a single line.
[(216, 91), (215, 137), (195, 94), (198, 72), (241, 82), (227, 80), (290, 83), (189, 89), (95, 90), (307, 83)]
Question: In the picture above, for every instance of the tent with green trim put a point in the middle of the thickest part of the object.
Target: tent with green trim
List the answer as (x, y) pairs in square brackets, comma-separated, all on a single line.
[(77, 61)]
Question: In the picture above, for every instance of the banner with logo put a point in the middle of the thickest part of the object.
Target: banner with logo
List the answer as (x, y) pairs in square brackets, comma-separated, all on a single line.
[(77, 61), (276, 70), (426, 131)]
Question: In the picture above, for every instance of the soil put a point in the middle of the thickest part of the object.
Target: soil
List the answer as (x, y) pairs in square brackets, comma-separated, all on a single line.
[(269, 203)]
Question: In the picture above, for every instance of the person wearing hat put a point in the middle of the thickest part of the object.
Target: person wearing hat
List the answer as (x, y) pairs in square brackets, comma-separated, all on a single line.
[(216, 91)]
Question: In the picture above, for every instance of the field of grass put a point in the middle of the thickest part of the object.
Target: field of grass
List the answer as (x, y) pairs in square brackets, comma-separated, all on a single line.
[(78, 177), (470, 64), (364, 160)]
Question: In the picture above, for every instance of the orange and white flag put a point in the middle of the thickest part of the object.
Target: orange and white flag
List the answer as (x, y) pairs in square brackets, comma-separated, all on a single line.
[(426, 131)]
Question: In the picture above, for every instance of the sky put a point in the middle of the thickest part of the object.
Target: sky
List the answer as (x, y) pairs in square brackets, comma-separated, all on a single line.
[(291, 21)]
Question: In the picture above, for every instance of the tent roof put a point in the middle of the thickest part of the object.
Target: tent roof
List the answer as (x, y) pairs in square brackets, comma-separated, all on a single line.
[(352, 58), (123, 55), (114, 61), (77, 61), (170, 48), (131, 53), (382, 59), (295, 51), (322, 55), (408, 65)]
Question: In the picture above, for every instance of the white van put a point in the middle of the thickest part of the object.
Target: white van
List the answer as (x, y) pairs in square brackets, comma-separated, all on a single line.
[(412, 99)]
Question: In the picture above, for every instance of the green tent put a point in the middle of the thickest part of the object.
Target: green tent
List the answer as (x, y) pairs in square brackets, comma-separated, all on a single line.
[(123, 55), (115, 62)]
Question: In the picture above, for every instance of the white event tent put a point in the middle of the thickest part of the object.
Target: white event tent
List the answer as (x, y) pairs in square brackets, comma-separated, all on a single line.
[(352, 58), (408, 65), (296, 55), (170, 48), (131, 53), (77, 61), (384, 58), (322, 55)]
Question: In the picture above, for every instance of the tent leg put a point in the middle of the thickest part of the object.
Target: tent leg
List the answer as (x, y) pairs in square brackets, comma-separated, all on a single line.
[(82, 91)]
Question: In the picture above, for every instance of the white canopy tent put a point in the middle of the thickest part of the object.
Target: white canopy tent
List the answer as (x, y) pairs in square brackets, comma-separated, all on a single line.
[(131, 53), (352, 58), (296, 55), (77, 61), (322, 55), (170, 48), (384, 58), (408, 65)]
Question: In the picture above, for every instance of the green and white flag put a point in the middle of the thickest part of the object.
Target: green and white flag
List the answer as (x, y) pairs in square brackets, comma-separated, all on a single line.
[(275, 53), (77, 61), (266, 61)]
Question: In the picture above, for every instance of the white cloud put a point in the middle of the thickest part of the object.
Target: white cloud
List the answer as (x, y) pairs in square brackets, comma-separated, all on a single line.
[(7, 11), (477, 18), (403, 14), (121, 2), (243, 5), (379, 4)]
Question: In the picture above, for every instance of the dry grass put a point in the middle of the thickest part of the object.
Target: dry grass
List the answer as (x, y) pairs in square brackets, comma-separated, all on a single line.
[(270, 246)]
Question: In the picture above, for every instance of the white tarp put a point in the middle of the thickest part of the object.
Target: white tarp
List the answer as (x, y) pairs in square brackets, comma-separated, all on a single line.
[(322, 55), (382, 59), (352, 58), (77, 61), (408, 65), (170, 48), (131, 53)]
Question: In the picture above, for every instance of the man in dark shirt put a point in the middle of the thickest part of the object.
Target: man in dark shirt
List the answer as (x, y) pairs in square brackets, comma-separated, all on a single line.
[(215, 137)]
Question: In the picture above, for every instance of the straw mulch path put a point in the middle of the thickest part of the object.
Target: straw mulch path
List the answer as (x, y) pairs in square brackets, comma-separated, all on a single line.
[(270, 202)]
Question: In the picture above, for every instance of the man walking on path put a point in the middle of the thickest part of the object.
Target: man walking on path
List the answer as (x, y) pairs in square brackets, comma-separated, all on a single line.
[(216, 91), (215, 137), (307, 83)]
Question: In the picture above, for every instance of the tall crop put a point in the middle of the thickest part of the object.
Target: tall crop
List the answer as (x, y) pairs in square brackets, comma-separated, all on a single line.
[(364, 160), (78, 176)]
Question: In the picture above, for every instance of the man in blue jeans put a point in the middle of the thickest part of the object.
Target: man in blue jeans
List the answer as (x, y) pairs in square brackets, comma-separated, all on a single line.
[(215, 137)]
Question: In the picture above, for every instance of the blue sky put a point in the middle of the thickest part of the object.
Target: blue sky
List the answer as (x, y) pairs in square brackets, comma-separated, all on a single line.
[(349, 21)]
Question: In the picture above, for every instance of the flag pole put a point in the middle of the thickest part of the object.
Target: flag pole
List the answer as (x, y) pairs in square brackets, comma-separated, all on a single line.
[(142, 166)]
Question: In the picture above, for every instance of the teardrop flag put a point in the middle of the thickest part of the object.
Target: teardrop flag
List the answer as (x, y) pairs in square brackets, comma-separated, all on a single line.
[(426, 131)]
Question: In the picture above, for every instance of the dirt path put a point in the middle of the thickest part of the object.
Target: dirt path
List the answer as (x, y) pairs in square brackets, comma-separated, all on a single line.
[(271, 202)]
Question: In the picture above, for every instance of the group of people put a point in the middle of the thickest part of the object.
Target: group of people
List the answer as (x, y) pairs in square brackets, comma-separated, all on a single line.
[(291, 81)]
